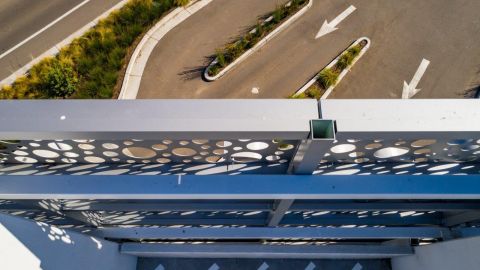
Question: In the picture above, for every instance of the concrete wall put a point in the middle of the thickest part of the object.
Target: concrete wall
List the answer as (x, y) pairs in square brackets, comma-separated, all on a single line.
[(462, 254), (27, 245)]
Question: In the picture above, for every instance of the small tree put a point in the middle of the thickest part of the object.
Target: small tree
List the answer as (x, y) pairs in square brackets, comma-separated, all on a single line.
[(60, 81)]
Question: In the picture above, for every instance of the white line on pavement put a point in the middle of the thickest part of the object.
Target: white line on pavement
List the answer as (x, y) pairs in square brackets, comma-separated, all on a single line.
[(310, 266), (410, 89), (43, 29)]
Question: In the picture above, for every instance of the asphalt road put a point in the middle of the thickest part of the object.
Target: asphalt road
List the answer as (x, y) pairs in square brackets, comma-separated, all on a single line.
[(20, 19), (403, 33)]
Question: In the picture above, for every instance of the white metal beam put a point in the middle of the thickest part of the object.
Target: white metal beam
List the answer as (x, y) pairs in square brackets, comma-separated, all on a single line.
[(265, 251)]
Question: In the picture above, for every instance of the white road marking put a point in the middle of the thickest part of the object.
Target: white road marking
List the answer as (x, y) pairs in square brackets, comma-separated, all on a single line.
[(214, 267), (160, 267), (357, 266), (410, 89), (264, 266), (44, 29), (255, 90), (310, 266), (329, 27)]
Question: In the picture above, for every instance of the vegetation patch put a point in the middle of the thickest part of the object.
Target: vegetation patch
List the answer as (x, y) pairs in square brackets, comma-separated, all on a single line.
[(329, 76), (90, 66), (230, 52)]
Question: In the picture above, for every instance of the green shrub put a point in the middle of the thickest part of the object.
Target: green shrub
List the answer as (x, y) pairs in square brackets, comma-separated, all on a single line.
[(345, 60), (354, 51), (60, 80), (221, 58), (213, 70), (327, 78), (89, 66), (314, 91), (279, 14)]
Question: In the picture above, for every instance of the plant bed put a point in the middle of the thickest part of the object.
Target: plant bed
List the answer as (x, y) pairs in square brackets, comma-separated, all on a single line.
[(89, 67), (320, 86), (234, 53)]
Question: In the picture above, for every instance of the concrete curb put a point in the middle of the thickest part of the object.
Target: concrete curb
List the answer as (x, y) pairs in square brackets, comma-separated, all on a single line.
[(331, 64), (56, 49), (139, 59), (257, 46)]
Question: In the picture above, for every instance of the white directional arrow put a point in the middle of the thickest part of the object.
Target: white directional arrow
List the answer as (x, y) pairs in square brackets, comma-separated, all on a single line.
[(410, 89), (329, 27), (310, 266), (214, 267), (264, 266), (357, 266)]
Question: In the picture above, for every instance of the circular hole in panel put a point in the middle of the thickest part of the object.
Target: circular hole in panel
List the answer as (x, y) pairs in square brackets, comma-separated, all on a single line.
[(71, 154), (220, 152), (224, 144), (138, 152), (423, 143), (272, 158), (244, 157), (20, 153), (85, 146), (199, 141), (373, 146), (183, 143), (60, 146), (93, 159), (257, 146), (390, 152), (159, 147), (128, 143), (167, 142), (26, 160), (34, 144), (184, 152), (163, 160), (110, 146), (343, 148), (45, 153), (356, 154), (88, 152), (361, 160), (422, 151), (110, 154), (166, 154), (213, 159), (69, 160)]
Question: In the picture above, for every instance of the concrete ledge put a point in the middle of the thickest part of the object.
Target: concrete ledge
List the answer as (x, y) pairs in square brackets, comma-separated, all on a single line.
[(331, 64), (257, 46), (56, 49), (138, 62)]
